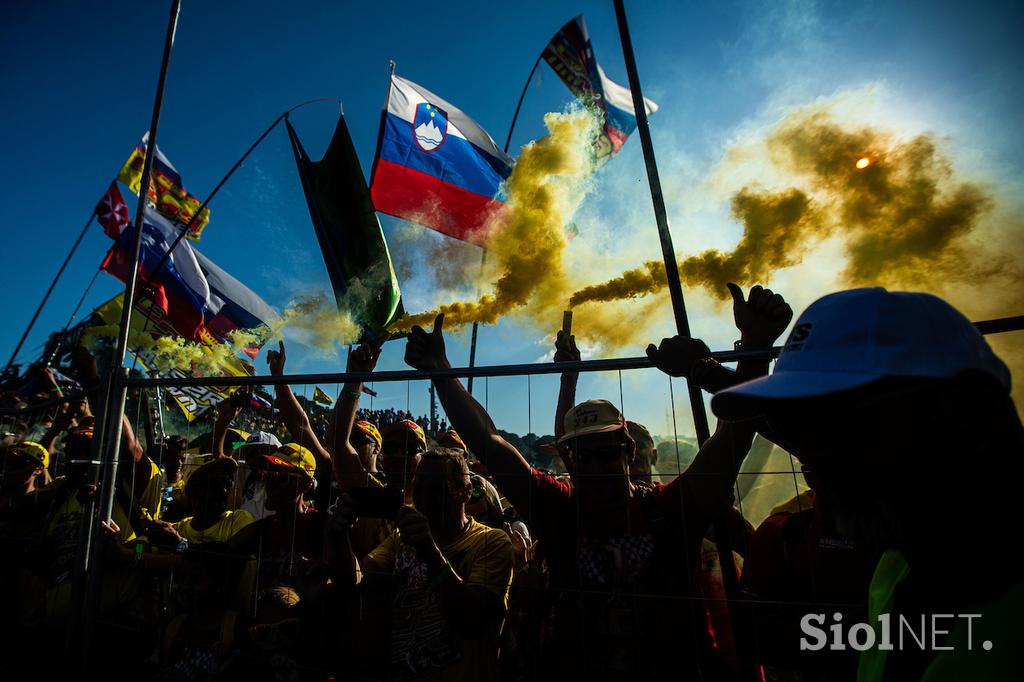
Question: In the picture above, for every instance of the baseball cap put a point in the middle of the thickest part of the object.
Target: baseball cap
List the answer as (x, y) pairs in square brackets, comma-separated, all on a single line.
[(211, 466), (293, 456), (404, 430), (262, 438), (33, 450), (370, 431), (592, 416), (640, 434), (850, 339), (77, 444), (451, 439)]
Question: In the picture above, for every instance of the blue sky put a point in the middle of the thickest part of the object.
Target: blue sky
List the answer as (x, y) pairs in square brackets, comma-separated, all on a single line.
[(80, 80)]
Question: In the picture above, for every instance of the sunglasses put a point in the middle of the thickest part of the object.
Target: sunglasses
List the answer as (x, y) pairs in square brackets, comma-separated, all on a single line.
[(604, 454)]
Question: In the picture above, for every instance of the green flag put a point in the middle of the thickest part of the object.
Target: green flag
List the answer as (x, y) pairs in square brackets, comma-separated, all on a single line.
[(349, 233)]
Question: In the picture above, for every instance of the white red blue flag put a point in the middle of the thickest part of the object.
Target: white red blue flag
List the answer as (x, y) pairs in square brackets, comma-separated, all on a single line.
[(198, 297), (435, 165)]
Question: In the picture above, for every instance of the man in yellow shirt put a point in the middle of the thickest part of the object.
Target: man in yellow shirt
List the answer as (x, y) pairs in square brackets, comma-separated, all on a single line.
[(207, 492), (449, 577)]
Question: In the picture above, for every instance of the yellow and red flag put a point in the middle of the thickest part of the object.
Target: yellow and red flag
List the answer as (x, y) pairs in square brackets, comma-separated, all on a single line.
[(166, 193)]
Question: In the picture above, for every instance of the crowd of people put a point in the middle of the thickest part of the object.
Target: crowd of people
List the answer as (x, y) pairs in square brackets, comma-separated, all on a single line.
[(366, 545), (389, 416)]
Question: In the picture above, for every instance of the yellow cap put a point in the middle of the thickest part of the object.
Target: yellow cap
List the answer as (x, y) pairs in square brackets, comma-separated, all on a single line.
[(294, 456), (33, 450)]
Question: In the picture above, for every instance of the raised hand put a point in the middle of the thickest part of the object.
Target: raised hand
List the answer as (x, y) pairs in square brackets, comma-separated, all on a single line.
[(364, 358), (678, 355), (276, 360), (761, 317), (83, 364), (425, 350), (565, 348), (344, 515), (415, 531)]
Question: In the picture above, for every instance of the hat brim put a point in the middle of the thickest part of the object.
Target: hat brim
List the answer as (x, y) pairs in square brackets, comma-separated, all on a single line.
[(211, 468), (273, 461), (589, 430), (753, 398)]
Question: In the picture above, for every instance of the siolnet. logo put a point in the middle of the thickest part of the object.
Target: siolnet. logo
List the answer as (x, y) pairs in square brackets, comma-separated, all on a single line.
[(429, 126)]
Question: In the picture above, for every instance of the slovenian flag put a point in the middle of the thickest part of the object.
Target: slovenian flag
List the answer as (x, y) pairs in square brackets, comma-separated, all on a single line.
[(435, 165)]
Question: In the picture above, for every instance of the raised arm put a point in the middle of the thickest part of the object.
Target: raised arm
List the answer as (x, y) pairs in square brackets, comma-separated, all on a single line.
[(761, 319), (294, 417), (227, 412), (348, 469), (565, 351), (425, 351)]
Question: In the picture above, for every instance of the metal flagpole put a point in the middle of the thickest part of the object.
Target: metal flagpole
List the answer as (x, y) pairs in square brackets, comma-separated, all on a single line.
[(46, 296), (483, 256), (675, 289), (115, 390), (195, 216), (74, 314), (112, 428), (723, 540)]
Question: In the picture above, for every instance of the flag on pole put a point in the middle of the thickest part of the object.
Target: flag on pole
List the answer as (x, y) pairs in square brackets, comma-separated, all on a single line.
[(435, 165), (346, 225), (234, 307), (112, 212), (320, 397), (166, 193), (200, 300), (570, 55), (179, 288), (259, 402)]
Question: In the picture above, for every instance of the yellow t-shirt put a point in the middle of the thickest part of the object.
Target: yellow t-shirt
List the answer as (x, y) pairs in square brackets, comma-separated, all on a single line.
[(149, 493), (120, 585), (423, 644), (230, 522), (368, 533)]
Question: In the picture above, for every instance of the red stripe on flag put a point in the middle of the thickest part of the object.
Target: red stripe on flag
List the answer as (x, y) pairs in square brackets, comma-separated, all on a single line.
[(186, 319), (422, 198)]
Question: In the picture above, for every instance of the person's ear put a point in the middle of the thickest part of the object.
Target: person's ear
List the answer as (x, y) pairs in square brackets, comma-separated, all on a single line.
[(466, 494)]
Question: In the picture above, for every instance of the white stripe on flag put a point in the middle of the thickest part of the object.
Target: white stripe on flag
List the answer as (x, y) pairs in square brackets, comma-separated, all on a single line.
[(406, 95)]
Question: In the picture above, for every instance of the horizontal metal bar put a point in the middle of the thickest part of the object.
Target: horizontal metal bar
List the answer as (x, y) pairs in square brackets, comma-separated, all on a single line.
[(454, 372), (995, 326), (51, 402)]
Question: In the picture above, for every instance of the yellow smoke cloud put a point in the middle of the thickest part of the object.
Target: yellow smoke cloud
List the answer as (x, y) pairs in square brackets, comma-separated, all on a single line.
[(316, 320), (319, 322), (904, 217), (166, 353), (526, 241)]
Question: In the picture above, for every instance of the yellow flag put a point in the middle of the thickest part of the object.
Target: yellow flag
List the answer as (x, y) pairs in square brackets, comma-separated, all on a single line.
[(321, 397), (166, 193)]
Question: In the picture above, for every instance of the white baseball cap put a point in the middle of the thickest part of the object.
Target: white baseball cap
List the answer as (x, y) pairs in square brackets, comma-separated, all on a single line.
[(851, 338), (263, 438)]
